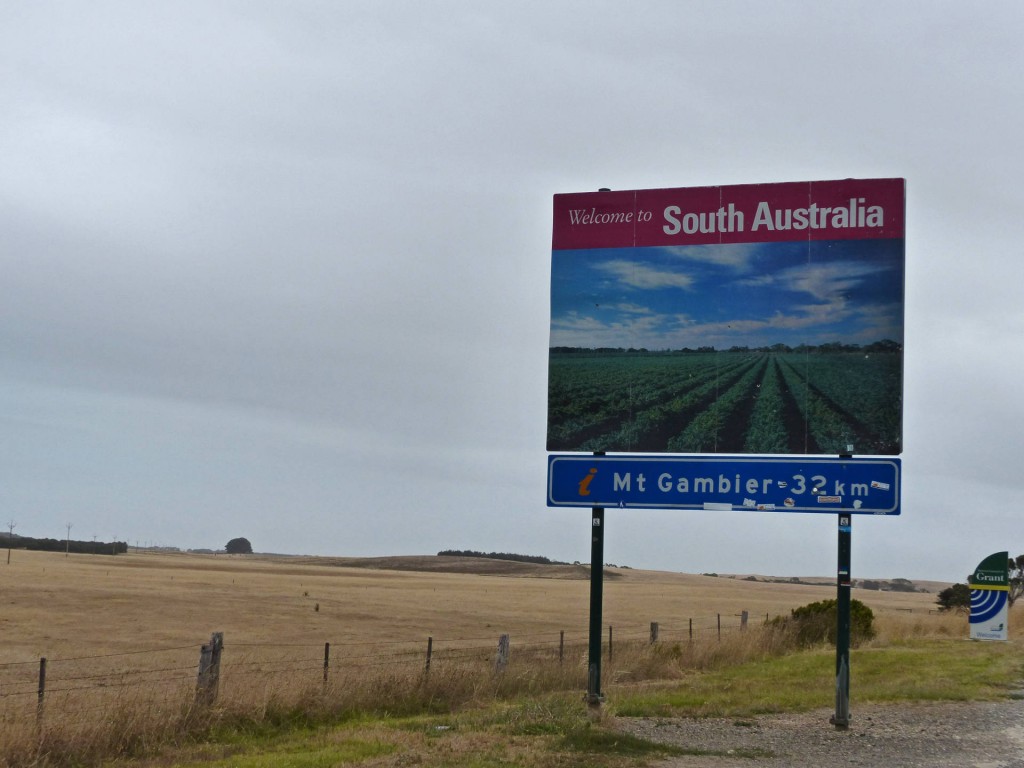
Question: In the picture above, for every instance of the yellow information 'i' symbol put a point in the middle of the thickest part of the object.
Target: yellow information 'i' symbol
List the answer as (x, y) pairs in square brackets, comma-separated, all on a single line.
[(585, 482)]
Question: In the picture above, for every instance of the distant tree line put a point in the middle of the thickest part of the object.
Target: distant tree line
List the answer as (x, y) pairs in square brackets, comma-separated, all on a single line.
[(895, 585), (500, 556), (63, 545), (884, 345)]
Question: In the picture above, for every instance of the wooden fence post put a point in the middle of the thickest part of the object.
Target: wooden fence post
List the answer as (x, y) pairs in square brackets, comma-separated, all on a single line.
[(691, 630), (327, 661), (501, 661), (654, 632), (41, 694), (561, 646), (430, 652), (744, 616), (209, 669), (610, 647), (719, 626)]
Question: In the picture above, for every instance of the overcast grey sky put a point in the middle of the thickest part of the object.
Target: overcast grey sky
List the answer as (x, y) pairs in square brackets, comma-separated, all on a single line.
[(282, 270)]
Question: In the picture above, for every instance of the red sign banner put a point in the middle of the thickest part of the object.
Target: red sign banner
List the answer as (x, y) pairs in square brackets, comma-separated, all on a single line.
[(848, 209)]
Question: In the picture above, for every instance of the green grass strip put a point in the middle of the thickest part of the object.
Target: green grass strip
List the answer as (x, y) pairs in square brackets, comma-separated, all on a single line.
[(940, 670)]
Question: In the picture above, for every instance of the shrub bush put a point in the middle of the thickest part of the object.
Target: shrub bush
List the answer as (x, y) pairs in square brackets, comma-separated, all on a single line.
[(815, 623)]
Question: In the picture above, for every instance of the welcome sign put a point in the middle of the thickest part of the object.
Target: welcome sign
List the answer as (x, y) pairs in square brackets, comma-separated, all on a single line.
[(990, 590), (752, 319)]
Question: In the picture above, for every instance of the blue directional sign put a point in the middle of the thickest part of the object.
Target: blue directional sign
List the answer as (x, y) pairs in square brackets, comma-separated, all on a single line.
[(774, 484)]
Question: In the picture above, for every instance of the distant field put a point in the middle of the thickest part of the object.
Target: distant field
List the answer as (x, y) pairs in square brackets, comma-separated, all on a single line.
[(62, 607)]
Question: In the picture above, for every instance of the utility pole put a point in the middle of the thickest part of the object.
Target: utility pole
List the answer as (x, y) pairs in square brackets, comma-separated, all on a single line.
[(10, 539)]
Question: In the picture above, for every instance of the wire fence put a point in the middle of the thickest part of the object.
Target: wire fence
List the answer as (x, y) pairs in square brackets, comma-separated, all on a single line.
[(106, 686)]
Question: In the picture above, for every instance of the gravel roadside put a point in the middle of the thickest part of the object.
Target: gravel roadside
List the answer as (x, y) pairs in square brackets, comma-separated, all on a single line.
[(949, 734)]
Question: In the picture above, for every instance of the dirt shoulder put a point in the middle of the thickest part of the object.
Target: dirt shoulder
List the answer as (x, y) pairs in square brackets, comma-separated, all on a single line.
[(951, 735)]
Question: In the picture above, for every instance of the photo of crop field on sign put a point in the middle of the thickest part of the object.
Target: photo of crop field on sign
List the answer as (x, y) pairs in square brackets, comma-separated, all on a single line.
[(780, 347)]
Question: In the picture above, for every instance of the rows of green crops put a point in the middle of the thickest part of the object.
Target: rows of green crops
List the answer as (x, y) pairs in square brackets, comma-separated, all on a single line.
[(597, 397), (725, 402), (849, 402)]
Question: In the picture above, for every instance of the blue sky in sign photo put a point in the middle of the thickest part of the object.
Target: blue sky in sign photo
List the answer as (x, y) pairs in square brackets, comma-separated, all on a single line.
[(757, 295), (283, 270)]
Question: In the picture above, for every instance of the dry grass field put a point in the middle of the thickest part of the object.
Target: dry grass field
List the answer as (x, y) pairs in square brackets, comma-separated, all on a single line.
[(121, 636), (82, 605)]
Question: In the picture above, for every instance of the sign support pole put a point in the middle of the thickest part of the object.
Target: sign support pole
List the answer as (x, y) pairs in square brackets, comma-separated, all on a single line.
[(594, 697), (841, 719)]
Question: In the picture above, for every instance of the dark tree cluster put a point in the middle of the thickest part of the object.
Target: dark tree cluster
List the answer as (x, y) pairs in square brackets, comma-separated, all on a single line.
[(63, 545), (954, 598), (499, 556), (896, 585), (239, 546)]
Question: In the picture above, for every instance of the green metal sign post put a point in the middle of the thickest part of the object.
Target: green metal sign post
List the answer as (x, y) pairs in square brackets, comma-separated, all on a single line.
[(841, 719), (594, 696)]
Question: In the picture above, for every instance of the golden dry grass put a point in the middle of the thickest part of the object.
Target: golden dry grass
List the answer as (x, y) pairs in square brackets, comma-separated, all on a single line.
[(81, 605), (122, 634)]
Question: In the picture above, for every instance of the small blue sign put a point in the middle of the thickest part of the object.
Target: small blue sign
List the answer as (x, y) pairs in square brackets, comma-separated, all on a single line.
[(820, 484)]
